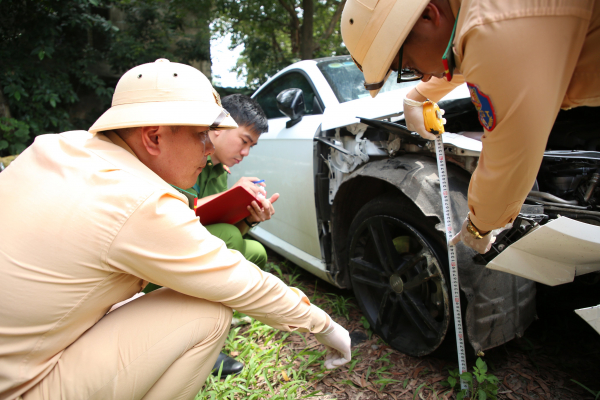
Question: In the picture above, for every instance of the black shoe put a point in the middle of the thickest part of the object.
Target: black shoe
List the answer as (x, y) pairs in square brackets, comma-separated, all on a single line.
[(230, 366)]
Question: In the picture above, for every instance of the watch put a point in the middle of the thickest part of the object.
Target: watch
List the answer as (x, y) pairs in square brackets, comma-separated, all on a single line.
[(251, 224), (472, 229)]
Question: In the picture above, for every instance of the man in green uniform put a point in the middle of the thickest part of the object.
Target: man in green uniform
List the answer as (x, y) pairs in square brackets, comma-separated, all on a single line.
[(231, 147)]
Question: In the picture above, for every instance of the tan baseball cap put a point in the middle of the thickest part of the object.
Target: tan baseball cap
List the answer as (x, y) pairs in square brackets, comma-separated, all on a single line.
[(374, 30), (164, 93)]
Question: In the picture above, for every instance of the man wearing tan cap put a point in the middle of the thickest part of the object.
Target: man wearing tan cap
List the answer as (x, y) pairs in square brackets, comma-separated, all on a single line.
[(522, 61), (108, 221)]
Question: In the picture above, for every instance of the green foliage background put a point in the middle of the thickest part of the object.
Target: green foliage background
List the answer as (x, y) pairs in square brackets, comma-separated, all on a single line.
[(271, 33), (61, 59)]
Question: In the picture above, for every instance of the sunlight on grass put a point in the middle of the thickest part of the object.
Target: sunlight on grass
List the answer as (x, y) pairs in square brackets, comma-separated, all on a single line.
[(277, 365), (271, 369)]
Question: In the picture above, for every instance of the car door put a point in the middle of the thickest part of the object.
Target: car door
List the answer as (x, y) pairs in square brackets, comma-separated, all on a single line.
[(283, 157)]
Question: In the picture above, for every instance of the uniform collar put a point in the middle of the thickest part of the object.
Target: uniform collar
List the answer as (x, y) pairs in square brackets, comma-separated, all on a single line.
[(448, 58), (218, 169), (191, 198)]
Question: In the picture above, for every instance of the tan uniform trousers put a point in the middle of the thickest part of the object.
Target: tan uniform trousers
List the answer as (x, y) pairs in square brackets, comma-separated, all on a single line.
[(160, 346)]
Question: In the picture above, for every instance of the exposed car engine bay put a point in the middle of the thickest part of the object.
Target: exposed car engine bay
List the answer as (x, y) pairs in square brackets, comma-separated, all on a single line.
[(567, 184)]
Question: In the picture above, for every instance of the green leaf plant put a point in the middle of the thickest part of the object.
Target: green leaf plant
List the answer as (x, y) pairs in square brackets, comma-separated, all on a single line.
[(481, 384)]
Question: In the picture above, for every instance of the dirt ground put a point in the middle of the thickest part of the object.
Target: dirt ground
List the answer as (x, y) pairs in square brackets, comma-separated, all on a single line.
[(556, 349)]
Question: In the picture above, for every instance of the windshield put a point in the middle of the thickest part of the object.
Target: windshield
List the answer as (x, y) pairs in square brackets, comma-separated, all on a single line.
[(346, 80)]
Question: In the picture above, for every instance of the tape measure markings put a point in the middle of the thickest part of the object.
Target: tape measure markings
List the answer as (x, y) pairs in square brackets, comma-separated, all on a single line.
[(452, 259)]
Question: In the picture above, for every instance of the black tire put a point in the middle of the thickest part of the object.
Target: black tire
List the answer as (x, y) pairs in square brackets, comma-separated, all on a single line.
[(399, 273)]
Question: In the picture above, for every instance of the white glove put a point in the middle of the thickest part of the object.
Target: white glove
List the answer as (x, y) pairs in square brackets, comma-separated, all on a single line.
[(481, 246), (337, 341), (413, 115)]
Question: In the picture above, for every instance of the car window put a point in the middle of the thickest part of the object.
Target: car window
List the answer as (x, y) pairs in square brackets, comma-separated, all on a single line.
[(267, 97), (346, 80)]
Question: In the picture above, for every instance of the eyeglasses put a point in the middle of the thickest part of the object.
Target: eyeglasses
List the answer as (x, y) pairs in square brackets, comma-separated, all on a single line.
[(406, 74)]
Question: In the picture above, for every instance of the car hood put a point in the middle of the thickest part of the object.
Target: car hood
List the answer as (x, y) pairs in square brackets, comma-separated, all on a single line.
[(385, 105)]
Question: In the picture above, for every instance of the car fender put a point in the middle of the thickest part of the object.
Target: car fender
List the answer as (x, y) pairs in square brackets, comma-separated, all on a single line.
[(499, 306)]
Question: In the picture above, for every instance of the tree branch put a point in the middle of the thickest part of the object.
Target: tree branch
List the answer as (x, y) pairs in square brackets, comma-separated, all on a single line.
[(291, 11), (294, 24), (332, 24)]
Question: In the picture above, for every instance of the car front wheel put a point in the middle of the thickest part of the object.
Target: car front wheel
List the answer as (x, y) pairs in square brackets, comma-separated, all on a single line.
[(398, 274)]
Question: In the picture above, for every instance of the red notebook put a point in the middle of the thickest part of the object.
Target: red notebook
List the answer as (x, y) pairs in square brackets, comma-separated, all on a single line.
[(229, 207)]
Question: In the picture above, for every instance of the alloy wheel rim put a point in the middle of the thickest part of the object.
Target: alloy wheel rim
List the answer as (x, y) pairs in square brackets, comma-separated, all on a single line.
[(402, 290)]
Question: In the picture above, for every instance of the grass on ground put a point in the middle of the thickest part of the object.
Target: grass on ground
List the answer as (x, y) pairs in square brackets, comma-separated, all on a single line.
[(289, 365), (557, 359)]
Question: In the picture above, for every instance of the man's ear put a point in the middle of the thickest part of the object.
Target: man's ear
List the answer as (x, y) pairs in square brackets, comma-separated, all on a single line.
[(151, 139), (432, 14), (214, 135)]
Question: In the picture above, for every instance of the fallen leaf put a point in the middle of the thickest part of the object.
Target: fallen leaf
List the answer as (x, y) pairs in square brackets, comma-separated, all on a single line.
[(523, 375), (285, 376), (416, 372), (543, 386), (439, 378)]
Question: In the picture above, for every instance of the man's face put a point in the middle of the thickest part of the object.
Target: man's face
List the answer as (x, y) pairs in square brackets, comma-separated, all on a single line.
[(425, 45), (232, 145), (184, 155), (425, 59)]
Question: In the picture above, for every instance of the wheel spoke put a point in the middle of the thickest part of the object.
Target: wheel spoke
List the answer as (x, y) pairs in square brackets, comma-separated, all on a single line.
[(366, 266), (382, 304), (419, 279), (369, 282), (419, 315), (375, 228), (394, 317), (393, 257), (408, 264)]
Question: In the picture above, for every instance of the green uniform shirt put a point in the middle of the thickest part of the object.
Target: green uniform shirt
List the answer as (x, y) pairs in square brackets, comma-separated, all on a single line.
[(212, 180)]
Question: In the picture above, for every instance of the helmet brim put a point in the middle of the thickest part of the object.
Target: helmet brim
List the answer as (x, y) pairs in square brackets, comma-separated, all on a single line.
[(168, 113)]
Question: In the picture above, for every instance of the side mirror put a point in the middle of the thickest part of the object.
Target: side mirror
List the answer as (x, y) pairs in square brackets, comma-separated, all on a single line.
[(291, 103)]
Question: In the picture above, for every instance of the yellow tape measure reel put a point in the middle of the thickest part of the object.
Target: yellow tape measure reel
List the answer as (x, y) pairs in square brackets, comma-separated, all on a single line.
[(432, 116)]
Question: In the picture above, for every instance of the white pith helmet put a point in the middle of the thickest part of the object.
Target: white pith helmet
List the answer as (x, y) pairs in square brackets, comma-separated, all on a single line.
[(164, 93), (374, 30)]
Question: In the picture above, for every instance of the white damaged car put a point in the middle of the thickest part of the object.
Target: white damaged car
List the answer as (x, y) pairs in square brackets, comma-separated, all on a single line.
[(360, 205)]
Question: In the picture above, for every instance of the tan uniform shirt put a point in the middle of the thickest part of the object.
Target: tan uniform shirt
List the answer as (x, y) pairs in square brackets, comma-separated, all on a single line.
[(524, 60), (97, 225)]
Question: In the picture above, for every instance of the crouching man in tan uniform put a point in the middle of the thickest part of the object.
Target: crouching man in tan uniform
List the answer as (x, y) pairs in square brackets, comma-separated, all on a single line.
[(523, 60), (102, 221)]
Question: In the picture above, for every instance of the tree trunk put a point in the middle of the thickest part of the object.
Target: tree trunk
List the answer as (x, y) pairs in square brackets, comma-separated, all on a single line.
[(306, 40), (4, 110)]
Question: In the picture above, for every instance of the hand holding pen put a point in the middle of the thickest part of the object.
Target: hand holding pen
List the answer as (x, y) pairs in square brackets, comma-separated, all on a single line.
[(248, 184)]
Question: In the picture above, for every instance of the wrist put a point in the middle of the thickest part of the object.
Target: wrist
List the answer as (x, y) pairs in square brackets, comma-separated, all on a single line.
[(416, 96), (473, 230), (412, 103), (251, 224), (329, 328)]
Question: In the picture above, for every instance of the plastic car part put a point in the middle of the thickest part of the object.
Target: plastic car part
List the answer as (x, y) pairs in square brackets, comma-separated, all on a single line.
[(554, 253), (399, 276), (291, 104)]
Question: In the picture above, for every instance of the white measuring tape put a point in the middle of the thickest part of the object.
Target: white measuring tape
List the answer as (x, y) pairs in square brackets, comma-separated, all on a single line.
[(452, 259)]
